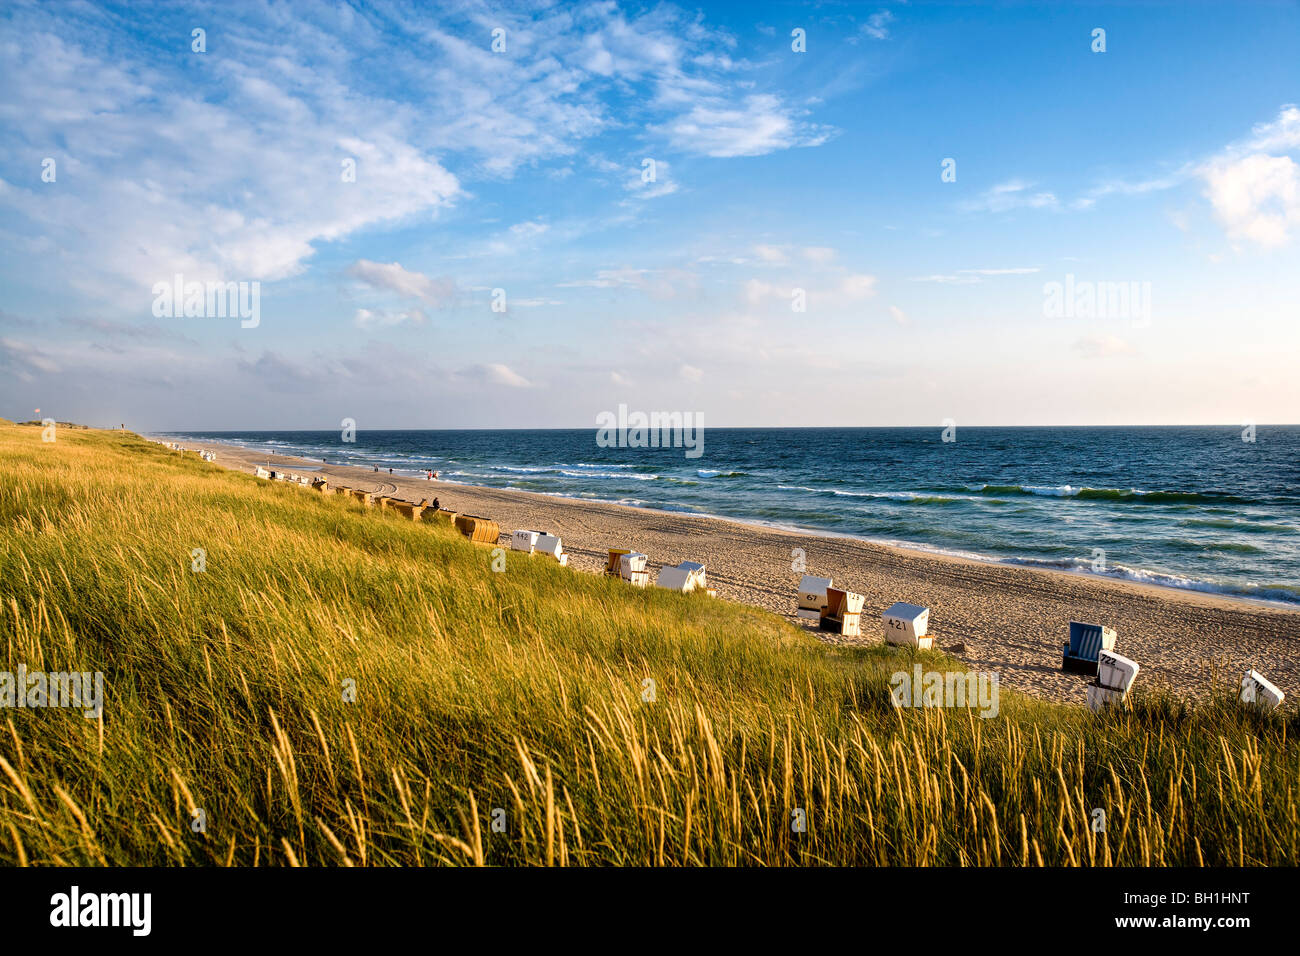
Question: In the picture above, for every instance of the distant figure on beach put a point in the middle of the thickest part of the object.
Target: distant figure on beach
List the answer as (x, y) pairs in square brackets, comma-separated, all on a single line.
[(376, 467), (390, 471), (435, 476), (428, 475)]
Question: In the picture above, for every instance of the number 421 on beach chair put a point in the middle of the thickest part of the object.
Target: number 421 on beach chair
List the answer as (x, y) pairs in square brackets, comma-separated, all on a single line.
[(1079, 654)]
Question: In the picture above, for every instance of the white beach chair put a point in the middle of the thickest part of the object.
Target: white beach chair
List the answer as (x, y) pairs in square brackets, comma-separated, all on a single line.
[(523, 541), (687, 576), (631, 563), (906, 624), (812, 597), (550, 544), (1258, 689), (1115, 671)]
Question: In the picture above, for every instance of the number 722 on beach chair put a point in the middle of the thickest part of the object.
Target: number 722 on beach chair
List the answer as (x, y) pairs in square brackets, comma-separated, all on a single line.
[(1079, 654)]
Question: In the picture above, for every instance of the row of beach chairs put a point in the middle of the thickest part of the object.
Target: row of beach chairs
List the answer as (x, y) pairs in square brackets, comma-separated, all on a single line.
[(478, 529), (1090, 648), (205, 455), (840, 611), (630, 566)]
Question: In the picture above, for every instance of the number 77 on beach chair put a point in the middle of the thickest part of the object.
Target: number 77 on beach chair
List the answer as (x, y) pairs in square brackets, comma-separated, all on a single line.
[(1081, 652)]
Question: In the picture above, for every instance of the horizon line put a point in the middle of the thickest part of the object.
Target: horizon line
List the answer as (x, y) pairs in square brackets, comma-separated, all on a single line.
[(466, 428)]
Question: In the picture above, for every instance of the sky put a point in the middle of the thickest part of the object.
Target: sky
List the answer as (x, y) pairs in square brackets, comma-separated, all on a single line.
[(765, 214)]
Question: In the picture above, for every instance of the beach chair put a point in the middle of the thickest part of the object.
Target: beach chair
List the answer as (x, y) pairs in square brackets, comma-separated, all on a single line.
[(364, 497), (552, 546), (1257, 689), (631, 563), (613, 566), (906, 625), (1079, 653), (843, 612), (687, 576), (321, 485), (812, 597), (406, 509), (1115, 675), (477, 529), (524, 541), (1115, 671), (262, 472)]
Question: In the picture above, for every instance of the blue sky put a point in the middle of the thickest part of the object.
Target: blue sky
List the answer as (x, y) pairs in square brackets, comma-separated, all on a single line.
[(1167, 163)]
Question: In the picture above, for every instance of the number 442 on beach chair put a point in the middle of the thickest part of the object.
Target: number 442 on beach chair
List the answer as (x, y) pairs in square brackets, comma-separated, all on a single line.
[(1087, 641)]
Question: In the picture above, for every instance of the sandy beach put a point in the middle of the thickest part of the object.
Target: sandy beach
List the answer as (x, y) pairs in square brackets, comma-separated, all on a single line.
[(995, 617)]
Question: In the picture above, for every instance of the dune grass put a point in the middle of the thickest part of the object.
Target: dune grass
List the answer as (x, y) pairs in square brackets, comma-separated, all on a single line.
[(519, 699)]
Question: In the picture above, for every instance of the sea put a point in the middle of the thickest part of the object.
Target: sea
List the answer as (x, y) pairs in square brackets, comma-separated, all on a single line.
[(1201, 508)]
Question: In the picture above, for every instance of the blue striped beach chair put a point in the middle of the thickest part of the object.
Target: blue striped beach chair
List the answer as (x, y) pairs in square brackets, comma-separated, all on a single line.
[(1087, 641)]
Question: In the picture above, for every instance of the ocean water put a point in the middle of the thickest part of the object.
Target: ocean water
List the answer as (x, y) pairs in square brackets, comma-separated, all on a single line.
[(1184, 507)]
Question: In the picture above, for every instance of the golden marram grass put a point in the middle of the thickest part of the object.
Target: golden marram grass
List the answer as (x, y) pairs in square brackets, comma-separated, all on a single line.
[(341, 686)]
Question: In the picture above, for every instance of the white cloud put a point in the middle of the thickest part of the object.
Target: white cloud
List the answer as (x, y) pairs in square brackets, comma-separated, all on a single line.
[(1256, 198), (1280, 135), (495, 373), (157, 178), (392, 277), (234, 170), (1013, 194), (690, 373), (662, 185), (1252, 185), (846, 289), (761, 124), (899, 315), (877, 25)]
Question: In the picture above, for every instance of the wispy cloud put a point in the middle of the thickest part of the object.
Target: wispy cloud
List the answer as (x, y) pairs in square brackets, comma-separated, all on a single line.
[(760, 124), (1012, 194), (877, 25), (392, 277)]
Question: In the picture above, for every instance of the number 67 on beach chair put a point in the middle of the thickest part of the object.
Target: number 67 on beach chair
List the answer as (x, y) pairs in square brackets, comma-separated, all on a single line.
[(1080, 653)]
